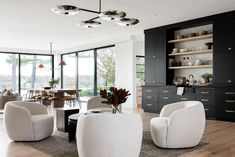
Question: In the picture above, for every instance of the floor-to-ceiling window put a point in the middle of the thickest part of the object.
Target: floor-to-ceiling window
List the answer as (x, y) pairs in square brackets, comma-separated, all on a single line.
[(86, 73), (19, 71), (9, 71), (89, 70), (105, 68), (32, 76), (70, 71)]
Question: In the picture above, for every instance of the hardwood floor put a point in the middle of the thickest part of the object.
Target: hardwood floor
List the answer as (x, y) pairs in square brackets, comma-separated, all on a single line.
[(219, 137)]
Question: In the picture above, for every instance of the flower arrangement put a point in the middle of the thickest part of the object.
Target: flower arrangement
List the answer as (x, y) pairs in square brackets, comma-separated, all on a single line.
[(54, 82), (114, 97)]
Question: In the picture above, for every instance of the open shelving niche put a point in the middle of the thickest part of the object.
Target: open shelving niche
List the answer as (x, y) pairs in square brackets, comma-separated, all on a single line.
[(197, 43)]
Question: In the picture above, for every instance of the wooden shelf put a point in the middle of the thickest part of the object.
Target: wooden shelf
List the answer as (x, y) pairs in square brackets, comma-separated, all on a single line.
[(191, 38), (191, 67), (191, 53)]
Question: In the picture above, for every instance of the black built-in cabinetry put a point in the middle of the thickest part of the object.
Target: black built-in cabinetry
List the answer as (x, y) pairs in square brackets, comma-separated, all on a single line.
[(224, 50), (219, 100), (155, 59)]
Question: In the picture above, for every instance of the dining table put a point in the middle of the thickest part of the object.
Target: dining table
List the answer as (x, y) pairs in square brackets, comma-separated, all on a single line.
[(60, 95)]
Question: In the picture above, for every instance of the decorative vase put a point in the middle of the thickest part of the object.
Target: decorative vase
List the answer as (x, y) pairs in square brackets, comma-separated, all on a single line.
[(115, 109)]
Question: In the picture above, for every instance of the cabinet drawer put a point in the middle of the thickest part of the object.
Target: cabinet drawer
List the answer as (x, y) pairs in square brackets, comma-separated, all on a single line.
[(164, 100), (149, 96), (185, 97), (150, 90), (205, 91), (206, 99), (167, 90), (150, 106)]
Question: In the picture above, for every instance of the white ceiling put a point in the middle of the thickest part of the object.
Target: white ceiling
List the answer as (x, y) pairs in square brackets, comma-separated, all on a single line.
[(30, 24)]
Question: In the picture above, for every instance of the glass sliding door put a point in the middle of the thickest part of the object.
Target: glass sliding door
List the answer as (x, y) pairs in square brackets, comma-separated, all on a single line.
[(86, 73), (9, 71), (69, 71), (105, 68), (31, 76)]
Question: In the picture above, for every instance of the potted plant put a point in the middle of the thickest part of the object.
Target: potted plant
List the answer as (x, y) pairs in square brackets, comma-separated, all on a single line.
[(206, 77), (54, 82), (114, 97)]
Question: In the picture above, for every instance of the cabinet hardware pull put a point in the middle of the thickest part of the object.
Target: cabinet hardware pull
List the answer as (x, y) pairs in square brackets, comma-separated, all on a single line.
[(165, 98), (165, 91), (205, 100), (230, 101), (229, 93), (229, 111), (149, 91), (206, 109), (229, 48), (204, 92), (149, 97), (149, 104), (229, 81), (183, 98)]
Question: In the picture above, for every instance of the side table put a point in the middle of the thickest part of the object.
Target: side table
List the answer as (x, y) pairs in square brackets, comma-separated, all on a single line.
[(62, 115)]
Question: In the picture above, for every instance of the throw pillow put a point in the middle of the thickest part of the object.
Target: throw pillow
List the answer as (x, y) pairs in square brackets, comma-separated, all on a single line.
[(3, 91), (8, 92)]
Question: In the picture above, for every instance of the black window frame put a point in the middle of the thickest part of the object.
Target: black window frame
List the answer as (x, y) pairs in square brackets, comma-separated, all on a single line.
[(19, 68), (77, 73)]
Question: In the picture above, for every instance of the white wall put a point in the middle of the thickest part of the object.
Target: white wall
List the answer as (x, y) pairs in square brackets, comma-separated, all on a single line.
[(124, 71)]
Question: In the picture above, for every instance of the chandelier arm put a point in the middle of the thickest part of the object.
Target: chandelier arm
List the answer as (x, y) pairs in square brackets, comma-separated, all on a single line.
[(91, 11), (94, 18)]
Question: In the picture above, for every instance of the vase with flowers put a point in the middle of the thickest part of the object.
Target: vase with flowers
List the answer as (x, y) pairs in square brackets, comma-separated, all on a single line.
[(54, 82), (114, 97)]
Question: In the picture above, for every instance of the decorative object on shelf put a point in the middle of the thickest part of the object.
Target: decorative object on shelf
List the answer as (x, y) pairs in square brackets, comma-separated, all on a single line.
[(111, 15), (175, 50), (171, 62), (179, 81), (114, 97), (198, 62), (203, 32), (207, 77), (209, 45), (54, 82), (192, 34), (183, 50), (179, 36)]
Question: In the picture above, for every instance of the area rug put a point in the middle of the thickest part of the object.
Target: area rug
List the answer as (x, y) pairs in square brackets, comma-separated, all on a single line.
[(58, 146)]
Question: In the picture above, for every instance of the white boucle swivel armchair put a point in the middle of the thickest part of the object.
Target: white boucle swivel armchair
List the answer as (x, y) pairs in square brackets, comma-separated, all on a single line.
[(180, 125), (27, 121), (109, 135)]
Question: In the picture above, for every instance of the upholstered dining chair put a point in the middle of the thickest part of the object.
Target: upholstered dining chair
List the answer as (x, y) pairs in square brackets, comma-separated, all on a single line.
[(109, 135), (180, 125), (27, 121), (95, 103)]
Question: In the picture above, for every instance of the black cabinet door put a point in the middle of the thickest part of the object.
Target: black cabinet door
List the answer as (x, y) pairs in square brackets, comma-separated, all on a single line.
[(224, 50), (155, 57)]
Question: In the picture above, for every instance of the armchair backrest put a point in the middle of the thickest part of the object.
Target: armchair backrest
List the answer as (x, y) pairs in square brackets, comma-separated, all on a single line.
[(96, 102), (188, 121), (33, 108)]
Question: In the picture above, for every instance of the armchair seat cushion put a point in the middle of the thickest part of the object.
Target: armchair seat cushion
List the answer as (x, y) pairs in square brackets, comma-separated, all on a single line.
[(42, 126)]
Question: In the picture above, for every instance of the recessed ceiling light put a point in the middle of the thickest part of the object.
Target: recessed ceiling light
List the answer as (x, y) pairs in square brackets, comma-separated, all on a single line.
[(65, 10), (89, 24), (128, 21)]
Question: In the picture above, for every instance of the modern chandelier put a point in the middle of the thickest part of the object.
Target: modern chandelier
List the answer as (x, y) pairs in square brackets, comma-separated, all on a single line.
[(111, 15)]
